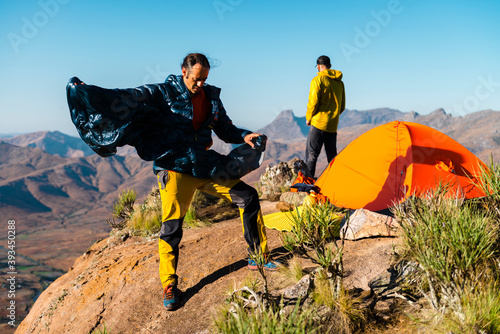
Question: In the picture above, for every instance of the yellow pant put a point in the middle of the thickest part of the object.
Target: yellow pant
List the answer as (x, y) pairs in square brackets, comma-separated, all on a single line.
[(177, 190)]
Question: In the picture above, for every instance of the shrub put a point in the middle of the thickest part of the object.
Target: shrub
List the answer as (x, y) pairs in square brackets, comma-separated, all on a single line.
[(123, 207), (206, 209), (346, 309), (489, 182), (455, 244), (314, 228), (192, 219), (294, 271), (146, 218), (316, 235), (238, 320), (481, 309)]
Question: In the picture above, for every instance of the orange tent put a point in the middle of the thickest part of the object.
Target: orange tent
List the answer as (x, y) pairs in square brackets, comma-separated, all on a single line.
[(387, 164)]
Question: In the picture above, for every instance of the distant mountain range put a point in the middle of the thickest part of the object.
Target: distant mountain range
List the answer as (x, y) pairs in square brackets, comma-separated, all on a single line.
[(35, 181), (288, 127), (61, 204), (476, 131), (287, 134), (57, 143)]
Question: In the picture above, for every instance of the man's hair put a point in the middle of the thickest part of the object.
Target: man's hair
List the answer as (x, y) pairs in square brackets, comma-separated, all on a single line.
[(324, 60), (195, 58)]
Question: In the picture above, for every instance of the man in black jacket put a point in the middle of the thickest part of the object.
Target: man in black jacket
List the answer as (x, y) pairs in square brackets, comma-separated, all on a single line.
[(200, 110), (171, 123)]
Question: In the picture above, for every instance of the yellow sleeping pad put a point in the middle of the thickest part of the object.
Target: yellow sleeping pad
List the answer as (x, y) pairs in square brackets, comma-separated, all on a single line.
[(281, 221)]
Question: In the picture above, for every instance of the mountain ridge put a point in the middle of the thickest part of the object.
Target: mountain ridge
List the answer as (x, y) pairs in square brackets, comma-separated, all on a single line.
[(287, 134), (52, 142)]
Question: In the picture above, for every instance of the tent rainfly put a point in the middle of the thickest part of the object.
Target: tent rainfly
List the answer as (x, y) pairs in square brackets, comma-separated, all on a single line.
[(385, 165)]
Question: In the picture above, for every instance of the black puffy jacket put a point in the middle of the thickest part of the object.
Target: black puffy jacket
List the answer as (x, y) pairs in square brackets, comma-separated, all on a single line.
[(157, 120)]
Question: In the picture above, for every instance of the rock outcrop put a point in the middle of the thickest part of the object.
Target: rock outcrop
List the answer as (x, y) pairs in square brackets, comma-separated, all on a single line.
[(293, 198), (277, 179), (115, 284), (365, 223)]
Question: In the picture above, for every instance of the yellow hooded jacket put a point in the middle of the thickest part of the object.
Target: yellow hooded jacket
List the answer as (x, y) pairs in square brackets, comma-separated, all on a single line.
[(326, 100)]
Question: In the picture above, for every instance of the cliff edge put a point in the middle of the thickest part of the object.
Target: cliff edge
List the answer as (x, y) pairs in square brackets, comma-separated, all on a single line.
[(115, 283)]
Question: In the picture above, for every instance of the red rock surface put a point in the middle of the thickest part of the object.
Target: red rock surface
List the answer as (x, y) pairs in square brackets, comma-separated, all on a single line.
[(116, 284)]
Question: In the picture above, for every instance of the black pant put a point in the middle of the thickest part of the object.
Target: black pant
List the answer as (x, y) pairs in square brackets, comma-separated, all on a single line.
[(315, 140)]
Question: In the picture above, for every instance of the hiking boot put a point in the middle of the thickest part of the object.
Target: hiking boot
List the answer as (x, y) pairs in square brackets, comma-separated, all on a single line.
[(171, 297), (269, 266)]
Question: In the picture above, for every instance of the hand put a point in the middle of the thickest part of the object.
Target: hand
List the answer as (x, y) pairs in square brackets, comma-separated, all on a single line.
[(308, 123), (248, 138)]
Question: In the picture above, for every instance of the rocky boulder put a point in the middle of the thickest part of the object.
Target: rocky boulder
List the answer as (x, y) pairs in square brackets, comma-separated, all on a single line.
[(293, 198), (277, 179), (364, 223)]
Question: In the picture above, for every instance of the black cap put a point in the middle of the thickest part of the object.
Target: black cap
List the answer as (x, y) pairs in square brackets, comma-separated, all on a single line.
[(324, 60)]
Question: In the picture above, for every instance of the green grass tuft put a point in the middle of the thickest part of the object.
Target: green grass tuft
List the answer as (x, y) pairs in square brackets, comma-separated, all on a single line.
[(239, 320), (456, 246)]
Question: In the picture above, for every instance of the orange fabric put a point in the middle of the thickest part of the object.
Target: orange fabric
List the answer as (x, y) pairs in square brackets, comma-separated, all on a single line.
[(444, 164), (320, 198), (201, 109), (301, 178), (387, 164), (314, 199)]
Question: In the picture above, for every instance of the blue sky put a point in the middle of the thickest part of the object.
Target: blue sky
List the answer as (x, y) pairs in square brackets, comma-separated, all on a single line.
[(403, 54)]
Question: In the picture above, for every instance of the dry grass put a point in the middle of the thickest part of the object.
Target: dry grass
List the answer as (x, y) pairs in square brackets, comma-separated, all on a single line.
[(456, 246)]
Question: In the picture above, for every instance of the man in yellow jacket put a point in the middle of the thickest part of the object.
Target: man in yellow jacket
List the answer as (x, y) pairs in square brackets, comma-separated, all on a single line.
[(326, 103)]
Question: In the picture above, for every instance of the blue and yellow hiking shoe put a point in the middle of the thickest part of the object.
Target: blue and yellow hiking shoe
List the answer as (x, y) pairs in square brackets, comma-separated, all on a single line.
[(269, 266), (171, 297)]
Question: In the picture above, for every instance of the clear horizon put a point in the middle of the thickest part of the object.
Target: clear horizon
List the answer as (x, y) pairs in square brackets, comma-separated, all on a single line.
[(402, 54)]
